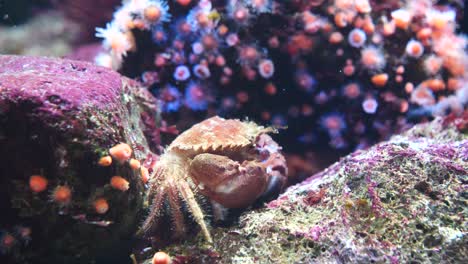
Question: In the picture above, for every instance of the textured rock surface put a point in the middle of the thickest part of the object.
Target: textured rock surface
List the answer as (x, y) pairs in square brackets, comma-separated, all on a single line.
[(400, 201), (57, 118)]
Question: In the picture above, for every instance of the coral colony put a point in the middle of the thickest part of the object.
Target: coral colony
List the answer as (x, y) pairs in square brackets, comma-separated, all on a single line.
[(345, 72), (82, 153), (67, 179)]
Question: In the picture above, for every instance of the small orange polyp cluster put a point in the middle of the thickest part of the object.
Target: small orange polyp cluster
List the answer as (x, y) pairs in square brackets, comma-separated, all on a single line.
[(122, 152), (62, 194)]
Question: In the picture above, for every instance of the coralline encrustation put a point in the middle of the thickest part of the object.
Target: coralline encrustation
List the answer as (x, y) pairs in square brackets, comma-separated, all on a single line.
[(64, 200), (346, 73), (400, 201)]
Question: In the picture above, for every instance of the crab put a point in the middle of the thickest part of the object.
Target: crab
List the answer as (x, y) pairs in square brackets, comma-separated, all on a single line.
[(230, 162)]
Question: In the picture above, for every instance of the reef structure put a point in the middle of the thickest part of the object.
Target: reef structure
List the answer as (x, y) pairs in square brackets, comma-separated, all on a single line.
[(64, 198), (400, 201), (79, 144), (353, 72)]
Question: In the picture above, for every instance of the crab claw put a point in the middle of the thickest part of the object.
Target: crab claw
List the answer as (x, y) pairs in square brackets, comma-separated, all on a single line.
[(228, 182)]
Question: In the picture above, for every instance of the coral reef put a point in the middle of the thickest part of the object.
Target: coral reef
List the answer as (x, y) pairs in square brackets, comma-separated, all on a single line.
[(46, 34), (80, 142), (69, 192), (353, 72), (400, 201), (85, 176)]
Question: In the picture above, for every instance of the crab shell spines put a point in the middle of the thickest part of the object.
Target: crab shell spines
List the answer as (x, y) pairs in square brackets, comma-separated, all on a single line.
[(217, 134)]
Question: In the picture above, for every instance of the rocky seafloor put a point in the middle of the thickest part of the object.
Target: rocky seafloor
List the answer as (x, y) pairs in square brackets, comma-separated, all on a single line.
[(57, 118), (401, 201)]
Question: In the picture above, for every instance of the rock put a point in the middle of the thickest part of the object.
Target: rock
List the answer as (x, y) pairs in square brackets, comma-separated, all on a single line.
[(401, 201), (85, 52), (57, 119)]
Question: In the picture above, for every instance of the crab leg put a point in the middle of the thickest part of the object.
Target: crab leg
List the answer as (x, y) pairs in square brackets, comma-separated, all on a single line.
[(154, 212), (176, 207), (197, 213)]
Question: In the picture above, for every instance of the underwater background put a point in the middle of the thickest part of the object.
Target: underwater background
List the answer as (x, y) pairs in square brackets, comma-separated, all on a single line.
[(233, 131)]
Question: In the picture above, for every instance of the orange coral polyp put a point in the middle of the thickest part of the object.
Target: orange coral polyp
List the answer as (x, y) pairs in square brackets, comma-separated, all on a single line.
[(161, 258), (380, 80), (7, 242), (62, 195), (134, 164), (453, 84), (101, 206), (121, 152), (184, 2), (144, 174), (335, 37), (340, 20), (38, 183), (455, 65), (435, 85), (119, 183), (105, 161), (414, 49), (152, 13), (424, 33), (388, 28), (372, 58), (362, 6)]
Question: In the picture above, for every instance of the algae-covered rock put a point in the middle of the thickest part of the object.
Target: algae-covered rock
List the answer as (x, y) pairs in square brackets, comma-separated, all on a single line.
[(401, 201), (57, 119)]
